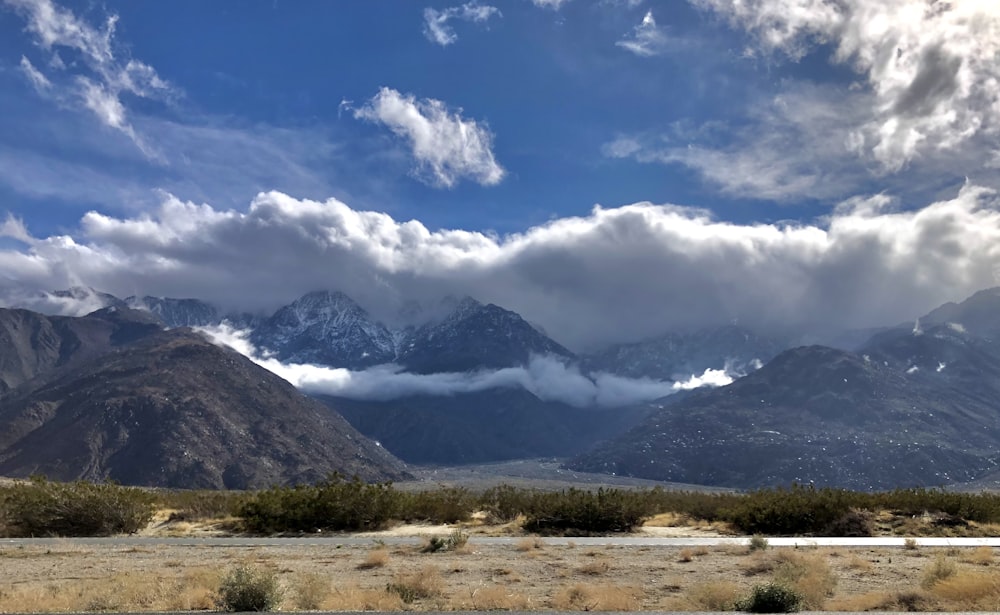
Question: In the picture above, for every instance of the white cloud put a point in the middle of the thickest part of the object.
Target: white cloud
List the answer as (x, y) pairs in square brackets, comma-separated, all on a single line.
[(647, 39), (446, 146), (39, 81), (930, 67), (548, 378), (99, 79), (549, 4), (436, 27), (752, 159), (615, 275), (711, 377)]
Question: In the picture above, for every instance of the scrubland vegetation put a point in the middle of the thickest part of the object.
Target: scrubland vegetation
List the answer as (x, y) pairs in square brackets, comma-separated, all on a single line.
[(43, 508), (527, 574)]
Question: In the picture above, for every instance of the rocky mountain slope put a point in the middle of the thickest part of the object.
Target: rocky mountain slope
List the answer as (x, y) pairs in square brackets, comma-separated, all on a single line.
[(675, 356), (916, 405), (112, 395)]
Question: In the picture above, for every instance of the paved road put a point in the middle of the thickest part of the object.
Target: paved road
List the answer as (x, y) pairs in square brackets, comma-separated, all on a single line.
[(623, 541)]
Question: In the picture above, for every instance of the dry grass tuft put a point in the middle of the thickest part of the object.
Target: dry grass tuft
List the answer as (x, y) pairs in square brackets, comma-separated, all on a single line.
[(980, 556), (971, 591), (376, 558), (494, 598), (422, 584), (595, 568), (311, 591), (121, 592), (580, 597), (354, 598), (685, 555), (940, 569), (809, 574), (872, 601), (860, 564), (529, 544), (713, 596)]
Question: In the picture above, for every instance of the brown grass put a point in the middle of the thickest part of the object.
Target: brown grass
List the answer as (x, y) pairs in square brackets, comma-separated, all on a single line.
[(376, 558), (119, 592), (871, 601), (311, 591), (595, 568), (529, 544), (351, 597), (940, 569), (493, 598), (980, 556), (860, 564), (807, 573), (580, 597), (713, 596), (969, 591), (420, 585)]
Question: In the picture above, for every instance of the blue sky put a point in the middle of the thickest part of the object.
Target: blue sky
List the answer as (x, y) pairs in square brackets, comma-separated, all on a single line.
[(829, 162)]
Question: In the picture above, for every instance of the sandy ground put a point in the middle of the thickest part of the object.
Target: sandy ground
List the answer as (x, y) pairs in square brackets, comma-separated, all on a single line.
[(525, 575)]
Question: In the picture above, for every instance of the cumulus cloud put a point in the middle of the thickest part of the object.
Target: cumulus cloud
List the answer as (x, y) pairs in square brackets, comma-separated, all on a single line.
[(930, 67), (548, 378), (446, 146), (436, 27), (647, 39), (616, 275), (97, 81)]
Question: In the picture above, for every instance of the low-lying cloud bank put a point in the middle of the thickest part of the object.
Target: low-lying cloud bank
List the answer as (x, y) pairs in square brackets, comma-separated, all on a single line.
[(548, 378), (615, 275)]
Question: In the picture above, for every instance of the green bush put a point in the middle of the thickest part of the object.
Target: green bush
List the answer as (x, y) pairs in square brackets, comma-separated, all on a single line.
[(247, 588), (577, 512), (758, 543), (771, 598), (455, 540), (43, 508), (335, 504), (444, 505)]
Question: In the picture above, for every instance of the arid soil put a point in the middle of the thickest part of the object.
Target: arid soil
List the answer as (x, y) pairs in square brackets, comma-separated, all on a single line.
[(526, 575)]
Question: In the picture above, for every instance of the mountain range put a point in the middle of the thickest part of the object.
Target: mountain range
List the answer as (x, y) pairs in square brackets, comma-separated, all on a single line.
[(915, 404)]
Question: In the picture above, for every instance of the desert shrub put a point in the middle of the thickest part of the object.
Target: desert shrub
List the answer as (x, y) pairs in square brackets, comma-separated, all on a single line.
[(807, 574), (425, 583), (444, 505), (714, 595), (334, 504), (853, 523), (578, 512), (452, 542), (43, 508), (503, 503), (770, 598), (940, 569), (311, 590), (758, 543), (194, 505), (247, 588)]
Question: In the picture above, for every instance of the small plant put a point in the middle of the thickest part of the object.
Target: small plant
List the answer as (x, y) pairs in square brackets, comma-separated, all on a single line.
[(311, 590), (910, 544), (425, 583), (377, 558), (453, 542), (248, 588), (758, 543), (771, 598), (942, 568)]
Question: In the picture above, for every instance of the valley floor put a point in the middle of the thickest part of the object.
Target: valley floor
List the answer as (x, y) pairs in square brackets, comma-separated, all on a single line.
[(525, 575)]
